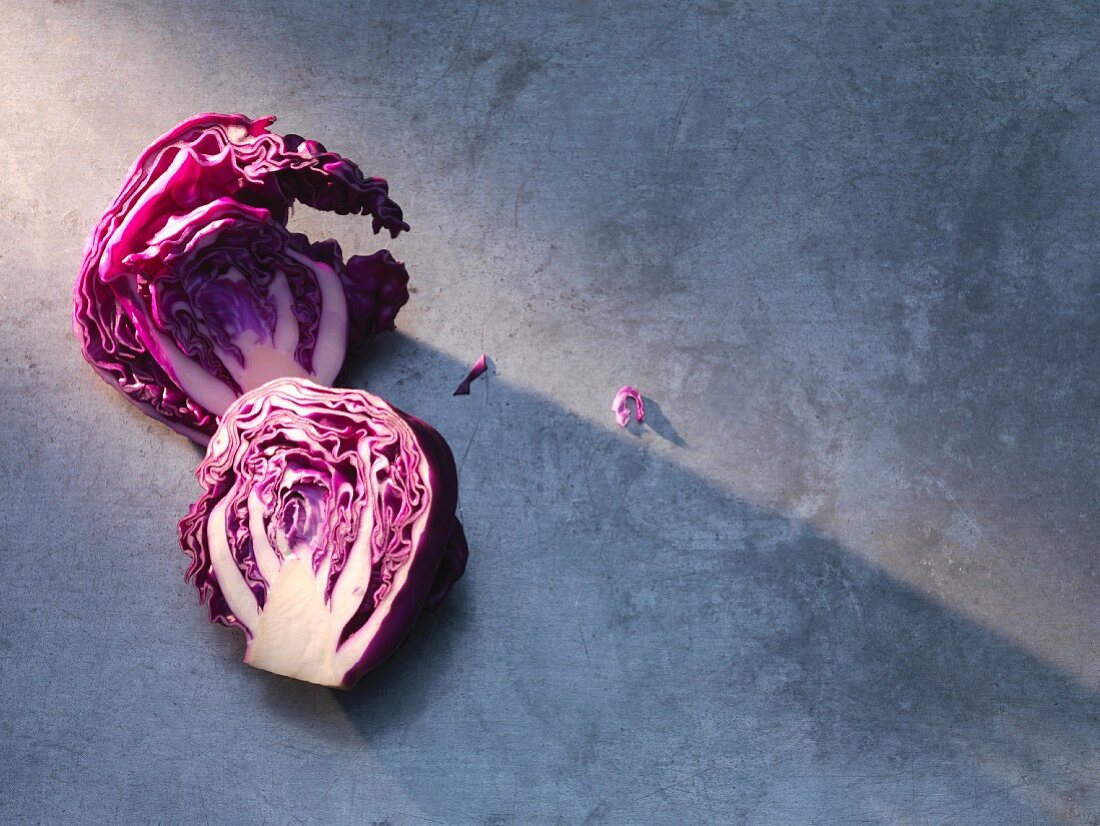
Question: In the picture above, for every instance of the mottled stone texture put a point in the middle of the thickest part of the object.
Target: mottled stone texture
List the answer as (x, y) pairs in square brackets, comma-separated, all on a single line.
[(849, 253)]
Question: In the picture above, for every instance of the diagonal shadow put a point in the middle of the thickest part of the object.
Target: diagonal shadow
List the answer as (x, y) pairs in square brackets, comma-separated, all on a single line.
[(625, 620)]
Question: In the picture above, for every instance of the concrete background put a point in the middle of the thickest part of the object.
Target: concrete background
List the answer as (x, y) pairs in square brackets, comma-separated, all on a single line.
[(850, 573)]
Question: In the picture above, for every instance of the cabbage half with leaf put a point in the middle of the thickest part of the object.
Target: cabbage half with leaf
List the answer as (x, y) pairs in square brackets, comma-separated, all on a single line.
[(326, 524), (192, 291)]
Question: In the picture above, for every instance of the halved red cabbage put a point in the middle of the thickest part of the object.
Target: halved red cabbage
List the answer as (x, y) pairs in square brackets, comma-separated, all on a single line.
[(192, 290), (621, 409), (326, 524)]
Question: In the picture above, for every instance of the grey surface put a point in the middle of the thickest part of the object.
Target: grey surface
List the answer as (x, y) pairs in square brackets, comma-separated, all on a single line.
[(848, 250)]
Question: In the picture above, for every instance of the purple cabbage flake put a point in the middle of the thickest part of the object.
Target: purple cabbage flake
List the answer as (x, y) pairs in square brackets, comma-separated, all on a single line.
[(480, 367), (622, 410)]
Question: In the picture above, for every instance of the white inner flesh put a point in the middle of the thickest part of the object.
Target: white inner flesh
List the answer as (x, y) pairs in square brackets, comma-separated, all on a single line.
[(295, 635), (297, 632), (207, 391), (332, 333)]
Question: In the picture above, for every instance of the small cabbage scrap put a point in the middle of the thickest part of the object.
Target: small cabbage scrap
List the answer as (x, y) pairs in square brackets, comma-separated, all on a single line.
[(622, 410), (326, 524), (480, 366), (192, 290)]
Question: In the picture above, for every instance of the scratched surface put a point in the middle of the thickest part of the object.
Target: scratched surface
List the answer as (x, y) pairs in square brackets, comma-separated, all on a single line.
[(848, 575)]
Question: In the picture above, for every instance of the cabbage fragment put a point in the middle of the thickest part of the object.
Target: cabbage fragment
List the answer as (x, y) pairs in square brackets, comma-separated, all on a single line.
[(622, 410), (192, 291), (480, 366), (326, 524)]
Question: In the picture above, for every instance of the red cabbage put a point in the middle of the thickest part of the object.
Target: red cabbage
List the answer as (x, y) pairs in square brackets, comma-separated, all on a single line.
[(326, 524), (192, 291), (622, 410)]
